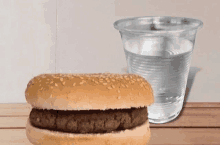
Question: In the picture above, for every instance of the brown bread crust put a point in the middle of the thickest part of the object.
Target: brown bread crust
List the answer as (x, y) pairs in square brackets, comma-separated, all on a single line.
[(88, 91), (138, 136)]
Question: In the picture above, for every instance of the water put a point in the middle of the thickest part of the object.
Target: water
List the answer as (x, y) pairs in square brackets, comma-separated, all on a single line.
[(160, 49), (167, 72)]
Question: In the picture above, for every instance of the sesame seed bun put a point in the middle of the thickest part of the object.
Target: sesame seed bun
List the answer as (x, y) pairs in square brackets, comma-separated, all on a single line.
[(138, 136), (88, 91)]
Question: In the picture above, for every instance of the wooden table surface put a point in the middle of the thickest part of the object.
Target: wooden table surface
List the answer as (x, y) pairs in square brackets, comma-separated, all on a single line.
[(198, 124)]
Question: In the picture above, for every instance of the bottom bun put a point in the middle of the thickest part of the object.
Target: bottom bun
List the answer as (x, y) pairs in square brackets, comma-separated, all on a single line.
[(138, 136)]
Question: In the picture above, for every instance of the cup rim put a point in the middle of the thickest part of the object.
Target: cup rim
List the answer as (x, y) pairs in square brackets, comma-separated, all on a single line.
[(199, 24)]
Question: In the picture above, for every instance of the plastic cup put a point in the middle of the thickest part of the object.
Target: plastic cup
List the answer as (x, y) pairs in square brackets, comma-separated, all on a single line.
[(160, 50)]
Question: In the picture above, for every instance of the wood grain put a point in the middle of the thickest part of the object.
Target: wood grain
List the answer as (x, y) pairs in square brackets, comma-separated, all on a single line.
[(163, 136), (195, 117), (185, 136), (201, 104), (198, 123), (15, 115), (15, 109), (189, 117), (13, 122), (24, 108)]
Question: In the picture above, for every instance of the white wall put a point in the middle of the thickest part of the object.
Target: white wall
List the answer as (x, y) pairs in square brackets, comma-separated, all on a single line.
[(27, 44), (87, 41), (86, 38)]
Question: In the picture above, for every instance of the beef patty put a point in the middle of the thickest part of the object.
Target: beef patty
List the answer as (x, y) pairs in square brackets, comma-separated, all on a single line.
[(91, 121)]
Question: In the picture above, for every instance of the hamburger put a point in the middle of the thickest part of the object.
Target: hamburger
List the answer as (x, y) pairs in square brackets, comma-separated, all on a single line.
[(84, 109)]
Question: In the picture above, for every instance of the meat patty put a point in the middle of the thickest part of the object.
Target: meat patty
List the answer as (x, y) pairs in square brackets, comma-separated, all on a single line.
[(91, 121)]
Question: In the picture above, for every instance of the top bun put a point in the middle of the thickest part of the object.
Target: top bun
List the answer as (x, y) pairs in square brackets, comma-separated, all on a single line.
[(88, 91)]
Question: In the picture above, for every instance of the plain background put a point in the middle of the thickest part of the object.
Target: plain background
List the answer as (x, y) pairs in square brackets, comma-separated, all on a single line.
[(77, 36)]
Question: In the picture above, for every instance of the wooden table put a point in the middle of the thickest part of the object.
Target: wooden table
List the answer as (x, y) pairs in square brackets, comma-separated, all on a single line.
[(198, 124)]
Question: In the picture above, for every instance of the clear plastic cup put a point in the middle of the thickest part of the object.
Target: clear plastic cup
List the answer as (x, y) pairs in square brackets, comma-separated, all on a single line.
[(160, 50)]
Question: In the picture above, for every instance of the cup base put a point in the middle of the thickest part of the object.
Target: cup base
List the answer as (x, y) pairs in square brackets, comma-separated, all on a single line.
[(164, 120)]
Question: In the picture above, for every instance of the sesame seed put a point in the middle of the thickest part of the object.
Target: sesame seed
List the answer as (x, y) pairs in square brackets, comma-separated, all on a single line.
[(51, 87), (38, 119), (146, 87), (119, 97), (132, 98), (40, 85), (61, 79), (96, 82), (81, 77), (63, 83), (51, 82), (113, 80), (104, 83), (113, 86), (41, 88), (141, 85), (109, 88), (108, 81), (122, 85), (138, 80), (56, 84), (74, 84), (126, 86), (81, 83), (139, 93), (51, 96), (118, 91)]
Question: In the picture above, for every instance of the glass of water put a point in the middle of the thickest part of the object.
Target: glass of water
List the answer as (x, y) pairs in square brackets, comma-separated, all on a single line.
[(160, 50)]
